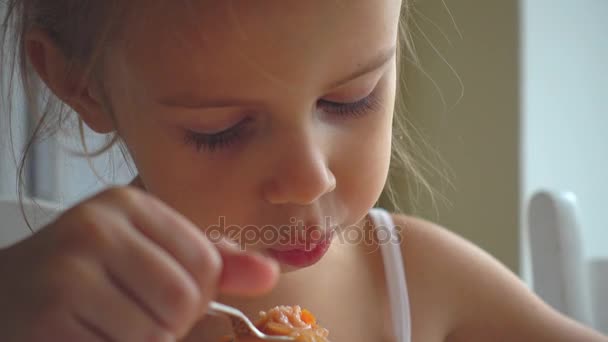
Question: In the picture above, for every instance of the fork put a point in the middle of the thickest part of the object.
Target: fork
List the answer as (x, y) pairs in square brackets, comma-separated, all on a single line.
[(241, 323)]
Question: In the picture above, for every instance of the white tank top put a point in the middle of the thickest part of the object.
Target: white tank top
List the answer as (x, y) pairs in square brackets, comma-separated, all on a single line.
[(395, 274)]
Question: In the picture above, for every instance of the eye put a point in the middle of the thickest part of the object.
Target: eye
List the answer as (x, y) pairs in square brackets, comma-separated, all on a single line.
[(366, 105), (217, 141)]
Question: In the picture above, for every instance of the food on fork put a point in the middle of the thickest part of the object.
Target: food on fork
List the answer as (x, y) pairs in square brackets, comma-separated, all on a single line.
[(286, 321)]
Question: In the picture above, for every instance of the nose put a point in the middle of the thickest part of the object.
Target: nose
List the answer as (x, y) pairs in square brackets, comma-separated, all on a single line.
[(301, 174)]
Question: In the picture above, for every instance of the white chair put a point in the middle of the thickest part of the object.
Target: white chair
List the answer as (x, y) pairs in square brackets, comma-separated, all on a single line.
[(13, 227), (562, 276)]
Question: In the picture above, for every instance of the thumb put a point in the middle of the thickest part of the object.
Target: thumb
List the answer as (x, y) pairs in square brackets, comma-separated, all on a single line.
[(245, 273)]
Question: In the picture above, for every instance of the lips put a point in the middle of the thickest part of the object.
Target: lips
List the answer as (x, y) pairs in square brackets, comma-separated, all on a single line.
[(303, 256), (302, 237), (303, 243)]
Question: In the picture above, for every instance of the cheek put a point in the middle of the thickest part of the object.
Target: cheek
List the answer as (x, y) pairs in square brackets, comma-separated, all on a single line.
[(363, 168), (198, 186), (194, 186), (364, 164), (173, 171)]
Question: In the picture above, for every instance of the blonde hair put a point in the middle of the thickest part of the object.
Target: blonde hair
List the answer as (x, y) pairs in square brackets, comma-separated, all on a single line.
[(81, 29)]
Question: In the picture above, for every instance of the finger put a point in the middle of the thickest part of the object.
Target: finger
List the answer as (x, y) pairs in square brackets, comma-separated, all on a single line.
[(174, 233), (105, 310), (242, 273), (154, 279), (62, 327), (247, 274), (81, 325)]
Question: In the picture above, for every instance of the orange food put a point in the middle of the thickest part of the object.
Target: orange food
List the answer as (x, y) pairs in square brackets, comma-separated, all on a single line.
[(290, 321), (307, 317)]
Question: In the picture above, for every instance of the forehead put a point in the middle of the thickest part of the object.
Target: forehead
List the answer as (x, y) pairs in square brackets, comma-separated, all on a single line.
[(238, 44)]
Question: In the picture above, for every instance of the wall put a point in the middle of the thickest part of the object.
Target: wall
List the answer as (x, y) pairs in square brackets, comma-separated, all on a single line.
[(565, 107), (477, 133)]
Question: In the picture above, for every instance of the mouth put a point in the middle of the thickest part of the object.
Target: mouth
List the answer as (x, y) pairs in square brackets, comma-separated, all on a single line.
[(305, 256)]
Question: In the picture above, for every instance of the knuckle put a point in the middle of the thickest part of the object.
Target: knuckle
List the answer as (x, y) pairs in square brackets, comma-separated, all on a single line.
[(159, 335), (63, 274), (98, 237), (183, 301), (88, 230), (76, 269), (128, 196), (210, 266), (149, 332), (92, 237), (205, 265)]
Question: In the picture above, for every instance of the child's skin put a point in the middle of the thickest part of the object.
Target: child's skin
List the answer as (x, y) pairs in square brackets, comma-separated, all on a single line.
[(124, 266)]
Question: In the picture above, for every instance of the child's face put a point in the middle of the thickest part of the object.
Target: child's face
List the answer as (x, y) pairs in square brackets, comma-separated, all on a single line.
[(301, 141)]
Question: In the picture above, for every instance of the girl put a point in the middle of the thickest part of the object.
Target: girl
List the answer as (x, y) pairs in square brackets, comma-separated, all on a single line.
[(262, 134)]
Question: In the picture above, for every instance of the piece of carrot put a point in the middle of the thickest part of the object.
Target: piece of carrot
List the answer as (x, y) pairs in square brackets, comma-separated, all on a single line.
[(308, 317)]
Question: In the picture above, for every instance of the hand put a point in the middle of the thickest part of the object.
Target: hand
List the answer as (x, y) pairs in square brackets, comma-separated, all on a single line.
[(121, 266)]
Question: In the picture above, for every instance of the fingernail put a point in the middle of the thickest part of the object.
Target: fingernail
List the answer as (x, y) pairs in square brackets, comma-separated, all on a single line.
[(229, 245), (264, 257)]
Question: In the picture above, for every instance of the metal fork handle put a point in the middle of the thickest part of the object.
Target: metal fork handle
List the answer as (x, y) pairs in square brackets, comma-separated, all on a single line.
[(216, 308)]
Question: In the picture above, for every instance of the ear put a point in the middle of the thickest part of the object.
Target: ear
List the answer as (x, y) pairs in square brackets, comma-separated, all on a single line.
[(77, 89)]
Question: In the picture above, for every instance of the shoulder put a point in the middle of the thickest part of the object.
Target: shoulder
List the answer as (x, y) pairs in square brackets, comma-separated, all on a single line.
[(479, 298)]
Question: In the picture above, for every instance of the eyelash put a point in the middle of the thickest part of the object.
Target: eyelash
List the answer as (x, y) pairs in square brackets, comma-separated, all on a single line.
[(213, 142), (231, 136), (352, 109)]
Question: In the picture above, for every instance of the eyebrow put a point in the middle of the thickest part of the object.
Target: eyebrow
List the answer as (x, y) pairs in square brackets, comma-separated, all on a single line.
[(181, 99)]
